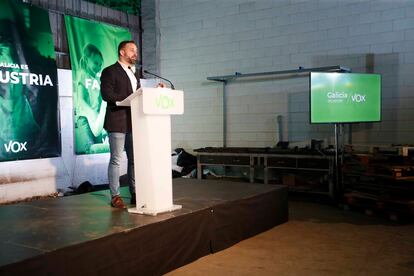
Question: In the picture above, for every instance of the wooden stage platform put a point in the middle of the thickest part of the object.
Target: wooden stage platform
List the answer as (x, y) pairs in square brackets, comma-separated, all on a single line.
[(83, 235)]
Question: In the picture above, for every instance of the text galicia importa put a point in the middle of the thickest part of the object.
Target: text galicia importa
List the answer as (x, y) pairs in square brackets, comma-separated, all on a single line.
[(339, 97)]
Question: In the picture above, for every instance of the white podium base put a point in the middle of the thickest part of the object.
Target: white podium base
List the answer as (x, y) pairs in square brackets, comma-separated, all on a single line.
[(153, 212)]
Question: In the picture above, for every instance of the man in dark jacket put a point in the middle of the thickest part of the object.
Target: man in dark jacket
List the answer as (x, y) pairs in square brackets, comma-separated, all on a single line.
[(118, 81)]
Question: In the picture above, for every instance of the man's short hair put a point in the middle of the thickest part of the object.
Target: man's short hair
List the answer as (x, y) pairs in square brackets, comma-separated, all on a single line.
[(122, 45)]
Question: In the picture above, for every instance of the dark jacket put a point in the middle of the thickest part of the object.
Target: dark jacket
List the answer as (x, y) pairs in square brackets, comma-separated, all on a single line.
[(116, 86)]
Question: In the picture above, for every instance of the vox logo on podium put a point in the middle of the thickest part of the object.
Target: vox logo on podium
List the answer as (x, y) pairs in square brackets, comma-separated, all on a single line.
[(164, 102), (15, 146)]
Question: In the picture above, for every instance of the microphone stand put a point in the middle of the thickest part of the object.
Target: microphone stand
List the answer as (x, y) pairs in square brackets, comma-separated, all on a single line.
[(155, 75)]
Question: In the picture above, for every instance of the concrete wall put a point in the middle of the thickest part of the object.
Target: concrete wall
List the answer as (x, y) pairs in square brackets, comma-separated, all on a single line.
[(210, 38), (150, 36)]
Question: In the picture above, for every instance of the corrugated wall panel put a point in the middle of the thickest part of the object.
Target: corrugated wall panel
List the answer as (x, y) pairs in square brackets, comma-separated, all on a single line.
[(57, 10)]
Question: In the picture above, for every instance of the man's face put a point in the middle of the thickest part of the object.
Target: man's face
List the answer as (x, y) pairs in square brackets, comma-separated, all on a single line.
[(129, 53)]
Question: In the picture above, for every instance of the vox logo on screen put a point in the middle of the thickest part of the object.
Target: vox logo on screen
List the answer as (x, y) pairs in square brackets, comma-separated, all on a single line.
[(358, 98), (15, 146)]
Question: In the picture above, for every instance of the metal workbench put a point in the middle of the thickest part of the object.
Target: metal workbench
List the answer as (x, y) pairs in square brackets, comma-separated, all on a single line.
[(260, 160)]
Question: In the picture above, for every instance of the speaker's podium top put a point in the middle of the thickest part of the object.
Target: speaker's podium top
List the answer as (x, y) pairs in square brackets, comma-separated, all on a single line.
[(157, 101)]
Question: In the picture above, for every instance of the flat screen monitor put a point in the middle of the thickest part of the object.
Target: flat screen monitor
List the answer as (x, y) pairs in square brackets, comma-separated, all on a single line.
[(345, 98)]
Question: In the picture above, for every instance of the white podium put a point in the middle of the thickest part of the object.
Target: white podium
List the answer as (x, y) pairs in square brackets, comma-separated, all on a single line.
[(151, 130)]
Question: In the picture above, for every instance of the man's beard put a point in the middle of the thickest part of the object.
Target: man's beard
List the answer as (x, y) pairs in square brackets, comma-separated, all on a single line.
[(132, 60)]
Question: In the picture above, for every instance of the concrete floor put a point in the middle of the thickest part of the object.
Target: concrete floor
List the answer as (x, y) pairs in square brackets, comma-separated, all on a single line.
[(318, 240)]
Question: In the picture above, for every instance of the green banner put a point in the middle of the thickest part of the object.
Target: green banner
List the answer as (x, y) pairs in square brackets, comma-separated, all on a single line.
[(92, 46), (28, 84)]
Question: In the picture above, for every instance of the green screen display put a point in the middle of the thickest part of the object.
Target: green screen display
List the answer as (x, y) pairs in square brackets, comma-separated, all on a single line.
[(345, 97)]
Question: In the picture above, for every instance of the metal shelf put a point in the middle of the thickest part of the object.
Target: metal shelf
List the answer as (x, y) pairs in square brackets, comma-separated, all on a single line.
[(260, 161)]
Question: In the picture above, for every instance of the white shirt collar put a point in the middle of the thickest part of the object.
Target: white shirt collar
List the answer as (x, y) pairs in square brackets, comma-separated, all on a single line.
[(127, 67), (130, 71)]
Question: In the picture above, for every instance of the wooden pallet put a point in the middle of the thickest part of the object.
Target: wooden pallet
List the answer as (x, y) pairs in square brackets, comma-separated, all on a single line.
[(386, 167), (396, 209), (402, 150)]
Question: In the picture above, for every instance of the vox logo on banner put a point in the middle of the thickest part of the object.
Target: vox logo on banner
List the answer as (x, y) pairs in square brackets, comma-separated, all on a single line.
[(14, 146)]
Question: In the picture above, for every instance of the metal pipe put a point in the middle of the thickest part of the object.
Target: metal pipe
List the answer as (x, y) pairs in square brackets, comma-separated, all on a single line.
[(301, 70), (337, 129), (140, 31), (280, 127), (224, 114)]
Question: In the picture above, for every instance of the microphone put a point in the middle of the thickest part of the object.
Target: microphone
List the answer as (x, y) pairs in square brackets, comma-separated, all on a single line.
[(149, 73), (130, 68)]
